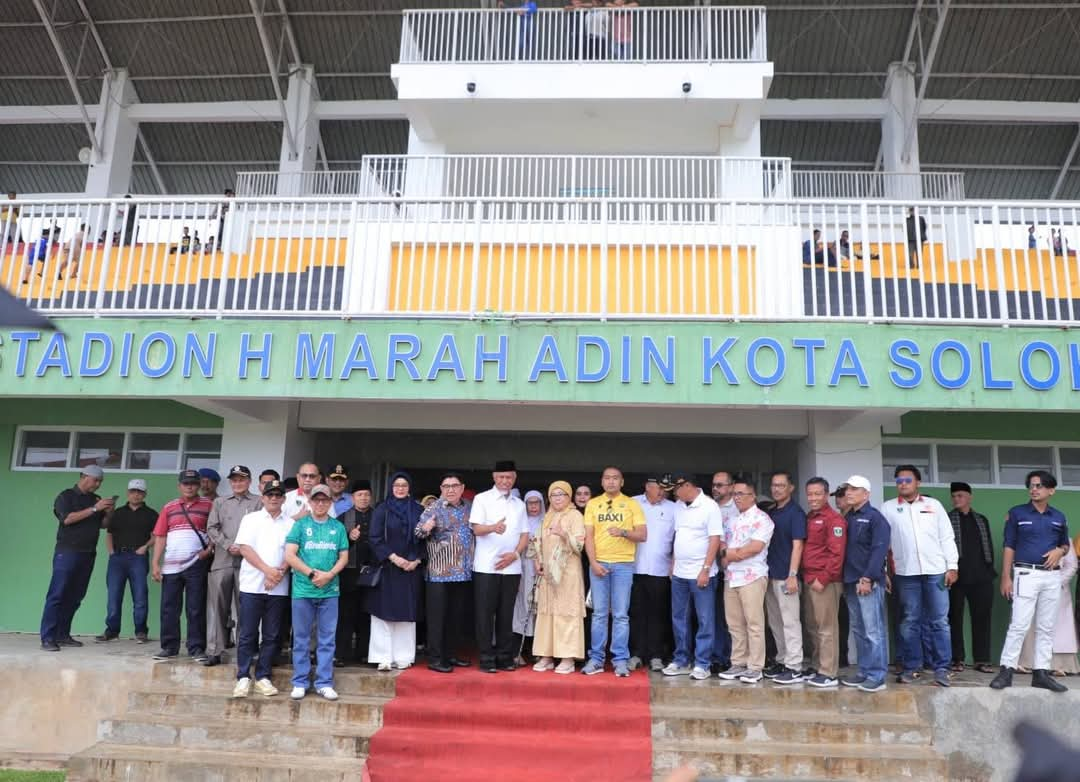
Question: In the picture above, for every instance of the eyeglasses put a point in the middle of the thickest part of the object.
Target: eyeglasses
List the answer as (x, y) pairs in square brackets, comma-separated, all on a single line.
[(308, 475), (1036, 486), (320, 498), (449, 486), (720, 485), (904, 479), (400, 485), (558, 494), (742, 494)]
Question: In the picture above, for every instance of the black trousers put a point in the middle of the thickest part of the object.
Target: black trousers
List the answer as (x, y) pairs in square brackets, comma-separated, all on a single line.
[(354, 624), (184, 591), (650, 618), (494, 598), (980, 601), (446, 607)]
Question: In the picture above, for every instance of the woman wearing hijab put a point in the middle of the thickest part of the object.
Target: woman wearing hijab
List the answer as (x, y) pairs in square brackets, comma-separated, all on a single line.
[(524, 618), (560, 599), (394, 603)]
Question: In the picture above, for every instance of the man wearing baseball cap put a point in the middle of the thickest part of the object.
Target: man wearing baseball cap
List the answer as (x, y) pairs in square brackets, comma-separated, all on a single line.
[(81, 514), (337, 478), (222, 604), (129, 536), (209, 479), (869, 535)]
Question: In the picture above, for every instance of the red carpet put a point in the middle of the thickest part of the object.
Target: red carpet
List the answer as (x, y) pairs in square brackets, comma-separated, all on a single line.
[(514, 727)]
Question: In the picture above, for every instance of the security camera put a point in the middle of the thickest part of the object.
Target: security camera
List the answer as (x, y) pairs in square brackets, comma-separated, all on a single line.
[(470, 87), (686, 87)]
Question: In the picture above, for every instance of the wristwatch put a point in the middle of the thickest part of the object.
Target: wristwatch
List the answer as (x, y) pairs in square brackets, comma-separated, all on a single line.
[(311, 575), (792, 574)]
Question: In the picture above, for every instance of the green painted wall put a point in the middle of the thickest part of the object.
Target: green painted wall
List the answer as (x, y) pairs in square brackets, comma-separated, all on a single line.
[(29, 527)]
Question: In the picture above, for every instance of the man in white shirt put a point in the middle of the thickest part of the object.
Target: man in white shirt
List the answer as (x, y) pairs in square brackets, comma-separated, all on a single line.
[(264, 591), (650, 597), (926, 560), (501, 527), (296, 504), (721, 492), (699, 534)]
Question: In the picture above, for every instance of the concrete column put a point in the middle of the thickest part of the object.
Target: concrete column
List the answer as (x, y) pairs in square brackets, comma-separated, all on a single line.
[(424, 177), (304, 124), (266, 436), (900, 121), (845, 443), (116, 136)]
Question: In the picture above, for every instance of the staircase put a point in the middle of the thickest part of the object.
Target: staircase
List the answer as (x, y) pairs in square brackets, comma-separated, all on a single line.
[(794, 732), (185, 727)]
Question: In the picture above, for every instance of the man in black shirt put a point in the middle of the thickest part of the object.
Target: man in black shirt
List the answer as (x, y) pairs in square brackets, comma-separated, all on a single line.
[(975, 582), (129, 536), (354, 623), (81, 515)]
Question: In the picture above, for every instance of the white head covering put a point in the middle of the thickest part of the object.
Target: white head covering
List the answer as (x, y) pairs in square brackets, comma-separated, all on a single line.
[(538, 519)]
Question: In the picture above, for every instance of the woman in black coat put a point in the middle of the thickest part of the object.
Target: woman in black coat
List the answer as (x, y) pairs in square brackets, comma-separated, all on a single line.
[(394, 603)]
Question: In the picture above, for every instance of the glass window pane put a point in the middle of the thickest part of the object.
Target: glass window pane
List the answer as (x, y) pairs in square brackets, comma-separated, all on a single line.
[(895, 454), (1016, 461), (101, 448), (148, 451), (969, 463), (1070, 466), (204, 443), (43, 449)]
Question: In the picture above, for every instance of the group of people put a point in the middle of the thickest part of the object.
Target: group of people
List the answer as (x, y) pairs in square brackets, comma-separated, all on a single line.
[(708, 580), (815, 251), (593, 30)]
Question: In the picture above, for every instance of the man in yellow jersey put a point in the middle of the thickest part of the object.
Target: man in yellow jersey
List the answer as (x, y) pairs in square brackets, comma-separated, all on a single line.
[(614, 525)]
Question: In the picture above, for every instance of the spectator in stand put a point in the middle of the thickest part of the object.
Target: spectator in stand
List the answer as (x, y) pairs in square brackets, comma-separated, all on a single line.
[(184, 246), (128, 539), (72, 253), (9, 221), (845, 249), (813, 251), (1033, 240), (915, 238), (975, 582), (823, 575), (575, 32), (622, 29), (596, 31), (36, 252), (1060, 245), (526, 26)]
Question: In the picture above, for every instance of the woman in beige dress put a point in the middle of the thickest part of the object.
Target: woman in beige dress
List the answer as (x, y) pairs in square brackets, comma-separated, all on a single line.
[(560, 631)]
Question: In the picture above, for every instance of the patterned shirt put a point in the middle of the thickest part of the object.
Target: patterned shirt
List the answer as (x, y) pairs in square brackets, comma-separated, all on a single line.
[(751, 524), (450, 545)]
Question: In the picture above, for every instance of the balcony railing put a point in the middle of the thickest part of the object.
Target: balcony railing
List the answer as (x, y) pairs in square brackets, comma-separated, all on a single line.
[(937, 186), (948, 262), (296, 183), (644, 35)]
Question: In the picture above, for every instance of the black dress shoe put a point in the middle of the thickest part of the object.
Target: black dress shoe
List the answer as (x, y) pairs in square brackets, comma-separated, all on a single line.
[(1042, 679), (212, 660), (69, 641), (339, 663), (50, 646), (510, 666), (1004, 679), (459, 663), (440, 668), (488, 669)]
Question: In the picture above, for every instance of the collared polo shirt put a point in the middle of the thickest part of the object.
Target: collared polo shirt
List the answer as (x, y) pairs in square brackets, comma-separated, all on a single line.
[(1030, 534), (266, 535), (601, 514), (491, 507), (868, 544), (81, 536), (789, 525), (130, 527), (183, 541), (653, 557), (695, 524)]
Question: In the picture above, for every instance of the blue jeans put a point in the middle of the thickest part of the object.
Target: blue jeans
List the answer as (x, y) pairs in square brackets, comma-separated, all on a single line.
[(127, 567), (259, 615), (70, 578), (924, 621), (686, 594), (721, 653), (322, 611), (611, 594), (867, 614), (184, 590)]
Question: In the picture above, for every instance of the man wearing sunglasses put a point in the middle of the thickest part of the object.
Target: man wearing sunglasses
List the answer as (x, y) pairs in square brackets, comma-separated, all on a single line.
[(1036, 540), (297, 502), (926, 559)]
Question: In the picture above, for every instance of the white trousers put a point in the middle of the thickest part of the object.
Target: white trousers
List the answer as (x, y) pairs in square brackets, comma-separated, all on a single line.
[(392, 642), (1035, 597)]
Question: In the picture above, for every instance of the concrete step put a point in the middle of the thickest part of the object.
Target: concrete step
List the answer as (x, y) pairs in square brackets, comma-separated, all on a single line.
[(132, 763), (733, 695), (283, 711), (787, 725), (193, 732), (347, 681), (774, 759)]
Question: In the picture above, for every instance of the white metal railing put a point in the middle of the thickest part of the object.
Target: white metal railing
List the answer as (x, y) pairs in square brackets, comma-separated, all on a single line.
[(584, 34), (583, 257), (255, 184), (937, 186)]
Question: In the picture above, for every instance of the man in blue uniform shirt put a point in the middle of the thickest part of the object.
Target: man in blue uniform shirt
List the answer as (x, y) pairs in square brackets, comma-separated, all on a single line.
[(1036, 540)]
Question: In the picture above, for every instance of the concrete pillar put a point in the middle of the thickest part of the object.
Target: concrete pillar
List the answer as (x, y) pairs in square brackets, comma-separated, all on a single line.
[(300, 155), (268, 437), (845, 443), (425, 176), (116, 136), (899, 121)]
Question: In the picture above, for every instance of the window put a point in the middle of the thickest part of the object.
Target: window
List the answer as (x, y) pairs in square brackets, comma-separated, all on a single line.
[(104, 449), (1070, 466), (1016, 461), (152, 451), (895, 454), (43, 449), (139, 451), (970, 463), (202, 450)]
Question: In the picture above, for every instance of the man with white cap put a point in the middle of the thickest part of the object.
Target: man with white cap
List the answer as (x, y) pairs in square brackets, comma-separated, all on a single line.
[(864, 585), (129, 536), (81, 514)]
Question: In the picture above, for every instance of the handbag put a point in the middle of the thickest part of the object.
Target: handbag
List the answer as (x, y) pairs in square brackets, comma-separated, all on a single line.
[(368, 575)]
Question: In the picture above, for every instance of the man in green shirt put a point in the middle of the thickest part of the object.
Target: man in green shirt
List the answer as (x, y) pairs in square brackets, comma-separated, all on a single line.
[(317, 549)]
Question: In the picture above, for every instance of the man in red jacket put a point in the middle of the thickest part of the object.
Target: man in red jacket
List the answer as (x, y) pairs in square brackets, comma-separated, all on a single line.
[(823, 574)]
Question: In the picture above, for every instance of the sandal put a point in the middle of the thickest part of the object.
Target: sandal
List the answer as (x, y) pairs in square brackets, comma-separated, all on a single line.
[(958, 667), (985, 668)]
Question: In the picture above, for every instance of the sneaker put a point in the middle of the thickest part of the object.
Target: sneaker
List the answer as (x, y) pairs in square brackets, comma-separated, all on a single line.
[(328, 692), (199, 656), (266, 687), (242, 688), (858, 680), (50, 646), (808, 673), (384, 667), (634, 663), (788, 677), (592, 668), (164, 654), (297, 693), (732, 673), (69, 641), (674, 669), (941, 678), (700, 673), (656, 664), (141, 638), (106, 636), (544, 664), (622, 670), (772, 671), (906, 677), (751, 677), (871, 686), (566, 666), (821, 680)]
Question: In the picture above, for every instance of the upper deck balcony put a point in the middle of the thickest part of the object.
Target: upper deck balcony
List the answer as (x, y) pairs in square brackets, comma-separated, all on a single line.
[(548, 80)]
